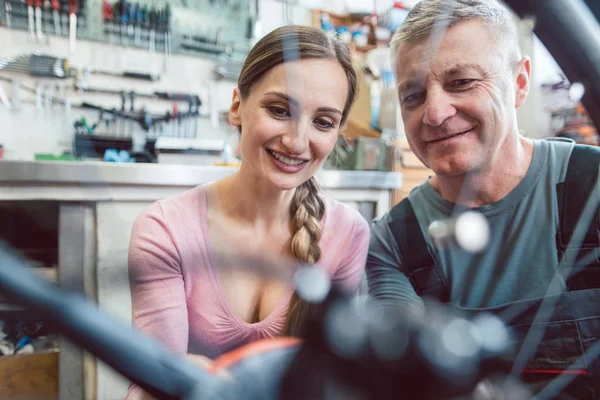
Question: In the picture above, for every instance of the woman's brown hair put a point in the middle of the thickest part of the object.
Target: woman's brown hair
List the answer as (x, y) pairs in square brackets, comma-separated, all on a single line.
[(292, 43)]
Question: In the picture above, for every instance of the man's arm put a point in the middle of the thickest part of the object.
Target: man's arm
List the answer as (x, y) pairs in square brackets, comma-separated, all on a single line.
[(388, 283)]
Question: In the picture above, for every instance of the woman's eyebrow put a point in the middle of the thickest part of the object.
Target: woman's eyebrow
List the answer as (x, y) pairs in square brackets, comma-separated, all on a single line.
[(330, 109), (284, 96)]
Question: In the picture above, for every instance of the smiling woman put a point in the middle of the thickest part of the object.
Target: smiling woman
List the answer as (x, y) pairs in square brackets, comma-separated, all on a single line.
[(293, 97)]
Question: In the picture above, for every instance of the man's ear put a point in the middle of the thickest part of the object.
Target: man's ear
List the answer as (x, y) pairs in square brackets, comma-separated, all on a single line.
[(522, 80), (235, 109)]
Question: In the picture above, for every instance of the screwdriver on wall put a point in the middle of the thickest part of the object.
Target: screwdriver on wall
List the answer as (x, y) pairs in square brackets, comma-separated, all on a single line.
[(138, 24), (166, 20), (145, 25), (132, 110), (55, 8), (72, 25), (117, 21), (38, 20), (131, 19), (64, 9), (7, 10), (124, 20), (37, 4), (109, 19), (153, 19), (30, 21)]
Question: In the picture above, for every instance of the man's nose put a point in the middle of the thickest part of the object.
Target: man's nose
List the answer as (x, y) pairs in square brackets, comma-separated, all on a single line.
[(296, 138), (438, 107)]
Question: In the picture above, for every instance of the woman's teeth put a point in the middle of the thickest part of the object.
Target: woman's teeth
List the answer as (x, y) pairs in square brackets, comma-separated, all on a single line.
[(286, 160)]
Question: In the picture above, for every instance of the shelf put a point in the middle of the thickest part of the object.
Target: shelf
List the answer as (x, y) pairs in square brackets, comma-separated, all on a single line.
[(50, 274), (5, 307)]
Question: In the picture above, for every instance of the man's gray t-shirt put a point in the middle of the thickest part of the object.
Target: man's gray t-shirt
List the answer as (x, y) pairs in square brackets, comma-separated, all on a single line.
[(520, 260)]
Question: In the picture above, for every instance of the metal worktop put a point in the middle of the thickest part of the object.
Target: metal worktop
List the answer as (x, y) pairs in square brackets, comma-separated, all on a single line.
[(99, 173)]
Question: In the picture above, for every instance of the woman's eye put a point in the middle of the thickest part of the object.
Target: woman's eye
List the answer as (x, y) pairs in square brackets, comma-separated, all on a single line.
[(324, 123), (278, 111)]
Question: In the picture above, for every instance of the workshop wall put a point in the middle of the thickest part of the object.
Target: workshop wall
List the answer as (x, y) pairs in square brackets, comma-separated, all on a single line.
[(32, 129)]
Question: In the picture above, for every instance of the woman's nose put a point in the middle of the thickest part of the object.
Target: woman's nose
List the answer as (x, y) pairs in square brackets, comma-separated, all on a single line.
[(296, 138)]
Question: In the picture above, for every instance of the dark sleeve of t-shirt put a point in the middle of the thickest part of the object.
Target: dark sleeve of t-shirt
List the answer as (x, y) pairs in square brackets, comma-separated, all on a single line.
[(388, 284)]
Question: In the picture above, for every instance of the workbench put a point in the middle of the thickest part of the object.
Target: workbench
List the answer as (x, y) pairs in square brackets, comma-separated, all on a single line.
[(95, 206)]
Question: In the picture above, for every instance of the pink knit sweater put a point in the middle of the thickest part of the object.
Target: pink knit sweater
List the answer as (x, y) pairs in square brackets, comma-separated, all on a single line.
[(170, 249)]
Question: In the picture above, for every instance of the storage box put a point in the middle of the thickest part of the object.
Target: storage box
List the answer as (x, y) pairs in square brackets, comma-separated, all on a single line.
[(29, 376)]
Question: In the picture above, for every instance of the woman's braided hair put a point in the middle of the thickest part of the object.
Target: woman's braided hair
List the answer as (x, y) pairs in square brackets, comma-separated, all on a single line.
[(307, 212)]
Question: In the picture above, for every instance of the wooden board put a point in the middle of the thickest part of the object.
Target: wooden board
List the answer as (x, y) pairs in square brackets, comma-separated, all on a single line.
[(29, 376), (411, 178)]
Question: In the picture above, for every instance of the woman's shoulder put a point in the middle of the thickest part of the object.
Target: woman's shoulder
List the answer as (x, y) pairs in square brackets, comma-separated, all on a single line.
[(190, 201), (170, 225), (180, 209), (343, 218)]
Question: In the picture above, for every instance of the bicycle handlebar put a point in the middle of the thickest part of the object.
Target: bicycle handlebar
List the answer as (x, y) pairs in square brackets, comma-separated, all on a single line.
[(135, 356)]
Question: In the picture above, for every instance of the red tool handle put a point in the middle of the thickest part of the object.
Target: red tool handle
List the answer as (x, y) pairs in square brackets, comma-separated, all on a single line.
[(72, 6), (55, 4), (29, 3), (38, 3), (107, 11)]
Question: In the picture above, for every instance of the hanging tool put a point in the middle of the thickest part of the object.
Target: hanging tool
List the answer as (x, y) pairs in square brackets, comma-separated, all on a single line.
[(7, 9), (37, 65), (116, 10), (186, 97), (109, 18), (138, 24), (55, 8), (47, 98), (30, 21), (72, 25), (64, 10), (166, 24), (124, 74), (192, 113), (131, 20), (168, 27), (59, 91), (38, 96), (132, 110), (153, 19), (174, 119), (38, 20), (177, 97), (123, 11), (4, 99), (121, 125), (16, 94), (145, 12)]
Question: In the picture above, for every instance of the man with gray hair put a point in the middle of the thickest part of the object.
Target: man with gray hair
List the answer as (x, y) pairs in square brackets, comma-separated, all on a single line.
[(460, 77)]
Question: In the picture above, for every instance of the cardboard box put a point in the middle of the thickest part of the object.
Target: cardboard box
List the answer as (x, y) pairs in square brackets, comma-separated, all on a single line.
[(410, 160), (361, 109)]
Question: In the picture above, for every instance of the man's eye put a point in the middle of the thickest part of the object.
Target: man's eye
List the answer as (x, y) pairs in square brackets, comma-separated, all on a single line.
[(412, 98), (461, 82), (278, 111)]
